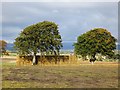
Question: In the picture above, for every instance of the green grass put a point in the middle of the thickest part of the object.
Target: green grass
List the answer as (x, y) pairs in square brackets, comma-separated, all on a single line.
[(79, 76)]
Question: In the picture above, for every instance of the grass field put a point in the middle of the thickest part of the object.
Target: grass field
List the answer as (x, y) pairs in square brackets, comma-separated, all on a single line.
[(84, 75)]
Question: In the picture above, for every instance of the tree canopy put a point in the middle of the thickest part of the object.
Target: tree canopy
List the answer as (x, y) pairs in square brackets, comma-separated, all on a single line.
[(98, 40), (40, 37), (3, 45)]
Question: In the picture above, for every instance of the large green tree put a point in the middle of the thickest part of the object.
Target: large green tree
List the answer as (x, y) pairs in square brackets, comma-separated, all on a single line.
[(98, 40), (40, 37)]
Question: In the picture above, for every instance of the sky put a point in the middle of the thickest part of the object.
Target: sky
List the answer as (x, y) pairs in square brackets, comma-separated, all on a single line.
[(73, 18)]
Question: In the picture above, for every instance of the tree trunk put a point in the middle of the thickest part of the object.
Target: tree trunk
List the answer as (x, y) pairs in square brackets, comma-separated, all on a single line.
[(34, 59), (55, 57), (58, 57)]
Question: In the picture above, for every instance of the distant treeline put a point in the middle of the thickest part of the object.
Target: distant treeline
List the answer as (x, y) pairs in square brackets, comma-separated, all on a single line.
[(66, 46)]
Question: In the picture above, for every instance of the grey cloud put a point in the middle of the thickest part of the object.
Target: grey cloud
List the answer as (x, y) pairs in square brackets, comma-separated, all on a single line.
[(73, 18)]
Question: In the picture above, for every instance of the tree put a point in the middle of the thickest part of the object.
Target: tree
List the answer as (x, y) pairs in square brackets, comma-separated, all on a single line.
[(95, 41), (40, 37), (115, 56), (3, 45)]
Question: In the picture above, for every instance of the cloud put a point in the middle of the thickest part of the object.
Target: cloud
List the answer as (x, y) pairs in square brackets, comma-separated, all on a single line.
[(10, 33), (73, 18), (55, 11)]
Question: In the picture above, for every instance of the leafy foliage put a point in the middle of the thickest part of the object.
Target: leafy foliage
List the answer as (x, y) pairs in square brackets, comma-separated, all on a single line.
[(3, 45), (41, 37), (95, 41)]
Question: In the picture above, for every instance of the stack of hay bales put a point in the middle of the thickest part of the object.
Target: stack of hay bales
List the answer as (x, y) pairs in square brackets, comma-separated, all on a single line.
[(47, 60), (72, 59), (64, 60), (24, 60)]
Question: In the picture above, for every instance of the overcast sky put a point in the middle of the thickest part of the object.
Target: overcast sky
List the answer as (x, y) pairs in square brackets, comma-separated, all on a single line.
[(73, 18)]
